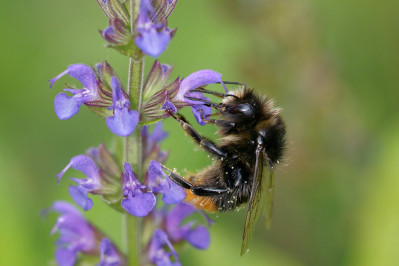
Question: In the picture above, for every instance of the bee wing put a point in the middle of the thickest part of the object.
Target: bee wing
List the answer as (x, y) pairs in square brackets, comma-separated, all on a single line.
[(258, 197), (269, 191)]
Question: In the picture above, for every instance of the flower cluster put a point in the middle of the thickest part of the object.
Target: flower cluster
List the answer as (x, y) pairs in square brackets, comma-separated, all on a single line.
[(78, 235), (172, 230), (103, 172), (150, 33), (126, 193)]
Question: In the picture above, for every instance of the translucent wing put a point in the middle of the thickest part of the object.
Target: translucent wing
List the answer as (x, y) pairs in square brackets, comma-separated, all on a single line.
[(261, 196), (269, 189), (255, 202)]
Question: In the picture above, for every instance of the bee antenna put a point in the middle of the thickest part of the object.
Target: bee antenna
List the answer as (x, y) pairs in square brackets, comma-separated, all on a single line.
[(235, 83)]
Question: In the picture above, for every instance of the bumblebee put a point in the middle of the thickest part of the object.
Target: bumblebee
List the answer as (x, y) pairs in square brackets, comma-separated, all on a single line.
[(252, 137)]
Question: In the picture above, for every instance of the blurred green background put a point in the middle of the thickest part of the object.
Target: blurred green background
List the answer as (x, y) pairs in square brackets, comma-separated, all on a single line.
[(332, 66)]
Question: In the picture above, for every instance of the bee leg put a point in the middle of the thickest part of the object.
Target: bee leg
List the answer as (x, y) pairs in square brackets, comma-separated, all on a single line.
[(208, 191), (223, 123), (206, 144), (179, 180)]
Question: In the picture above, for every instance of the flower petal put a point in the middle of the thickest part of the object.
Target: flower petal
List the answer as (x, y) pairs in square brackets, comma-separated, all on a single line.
[(155, 174), (65, 106), (65, 208), (109, 255), (109, 34), (199, 115), (157, 134), (65, 257), (53, 80), (130, 181), (85, 75), (140, 204), (157, 254), (175, 218), (173, 194), (83, 164), (80, 72), (153, 42), (123, 122), (118, 98), (196, 80), (79, 195), (169, 106), (199, 237)]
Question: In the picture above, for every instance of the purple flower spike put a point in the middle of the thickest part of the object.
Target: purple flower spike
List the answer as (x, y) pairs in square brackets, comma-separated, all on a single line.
[(156, 252), (91, 183), (109, 254), (198, 237), (153, 33), (76, 235), (124, 120), (66, 106), (161, 183), (136, 201), (196, 80)]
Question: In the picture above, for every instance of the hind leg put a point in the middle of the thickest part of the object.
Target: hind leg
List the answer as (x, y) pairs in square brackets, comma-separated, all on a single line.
[(197, 190)]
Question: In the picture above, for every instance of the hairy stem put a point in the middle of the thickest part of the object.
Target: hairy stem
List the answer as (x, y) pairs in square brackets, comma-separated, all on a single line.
[(131, 225)]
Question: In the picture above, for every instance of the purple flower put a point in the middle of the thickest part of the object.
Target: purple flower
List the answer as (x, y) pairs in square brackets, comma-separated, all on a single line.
[(157, 253), (67, 106), (136, 201), (197, 236), (196, 80), (193, 81), (124, 120), (91, 183), (109, 254), (153, 33), (76, 235), (160, 183)]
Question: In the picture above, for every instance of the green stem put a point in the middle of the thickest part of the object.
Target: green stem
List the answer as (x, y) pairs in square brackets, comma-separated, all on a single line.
[(132, 146)]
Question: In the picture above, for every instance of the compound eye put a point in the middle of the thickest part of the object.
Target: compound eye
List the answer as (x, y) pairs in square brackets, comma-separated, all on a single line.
[(244, 108)]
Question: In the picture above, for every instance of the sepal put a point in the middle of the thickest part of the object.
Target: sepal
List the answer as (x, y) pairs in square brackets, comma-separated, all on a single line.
[(110, 174), (118, 36), (114, 9)]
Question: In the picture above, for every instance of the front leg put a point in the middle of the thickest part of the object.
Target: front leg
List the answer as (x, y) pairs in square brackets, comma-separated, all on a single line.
[(205, 143)]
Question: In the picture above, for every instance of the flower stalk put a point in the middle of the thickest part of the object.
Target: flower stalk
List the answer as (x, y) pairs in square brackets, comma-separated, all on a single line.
[(131, 225)]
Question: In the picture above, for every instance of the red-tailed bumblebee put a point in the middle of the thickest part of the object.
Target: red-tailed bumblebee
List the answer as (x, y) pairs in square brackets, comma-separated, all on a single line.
[(252, 136)]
